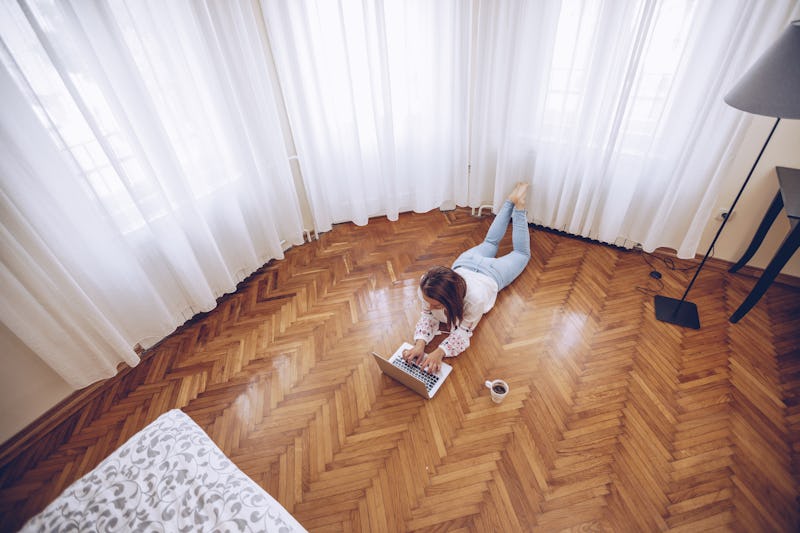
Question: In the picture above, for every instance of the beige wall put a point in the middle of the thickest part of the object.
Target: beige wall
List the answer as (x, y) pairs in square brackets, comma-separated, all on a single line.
[(28, 387), (783, 150)]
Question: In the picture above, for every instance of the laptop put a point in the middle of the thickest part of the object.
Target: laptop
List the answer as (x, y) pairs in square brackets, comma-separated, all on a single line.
[(424, 383)]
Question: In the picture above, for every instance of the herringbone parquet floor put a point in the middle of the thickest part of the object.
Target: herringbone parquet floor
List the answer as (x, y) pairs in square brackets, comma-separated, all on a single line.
[(614, 421)]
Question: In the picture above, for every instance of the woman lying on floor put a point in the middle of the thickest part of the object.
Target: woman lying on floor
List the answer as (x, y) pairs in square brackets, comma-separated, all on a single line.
[(459, 296)]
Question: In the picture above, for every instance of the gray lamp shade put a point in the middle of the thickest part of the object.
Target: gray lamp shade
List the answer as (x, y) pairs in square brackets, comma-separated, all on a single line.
[(771, 87)]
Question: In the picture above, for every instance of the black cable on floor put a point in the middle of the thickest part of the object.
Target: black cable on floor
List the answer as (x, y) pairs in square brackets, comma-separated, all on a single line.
[(655, 275)]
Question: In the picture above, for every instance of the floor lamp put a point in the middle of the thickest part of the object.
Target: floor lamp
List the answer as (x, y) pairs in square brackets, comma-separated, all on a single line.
[(771, 87)]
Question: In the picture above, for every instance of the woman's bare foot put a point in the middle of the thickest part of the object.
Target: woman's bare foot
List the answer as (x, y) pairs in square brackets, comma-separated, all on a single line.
[(519, 195)]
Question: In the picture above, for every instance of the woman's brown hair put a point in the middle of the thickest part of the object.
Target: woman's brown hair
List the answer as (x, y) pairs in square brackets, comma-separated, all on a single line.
[(449, 289)]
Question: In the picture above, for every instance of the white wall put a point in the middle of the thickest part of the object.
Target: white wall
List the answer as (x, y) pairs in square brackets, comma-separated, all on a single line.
[(783, 150), (28, 387)]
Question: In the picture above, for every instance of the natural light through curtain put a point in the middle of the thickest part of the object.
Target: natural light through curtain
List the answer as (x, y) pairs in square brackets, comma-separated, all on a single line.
[(612, 110), (376, 94), (144, 162), (144, 172)]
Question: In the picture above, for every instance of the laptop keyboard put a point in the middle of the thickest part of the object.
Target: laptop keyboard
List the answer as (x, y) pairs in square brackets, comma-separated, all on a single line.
[(414, 370)]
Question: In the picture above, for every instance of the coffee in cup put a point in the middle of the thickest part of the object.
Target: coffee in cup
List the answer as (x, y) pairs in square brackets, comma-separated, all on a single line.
[(499, 389)]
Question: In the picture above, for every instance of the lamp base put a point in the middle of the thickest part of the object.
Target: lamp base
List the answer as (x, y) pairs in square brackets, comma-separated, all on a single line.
[(686, 315)]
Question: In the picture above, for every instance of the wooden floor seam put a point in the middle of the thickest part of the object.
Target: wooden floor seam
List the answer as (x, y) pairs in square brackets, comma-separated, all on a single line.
[(614, 421)]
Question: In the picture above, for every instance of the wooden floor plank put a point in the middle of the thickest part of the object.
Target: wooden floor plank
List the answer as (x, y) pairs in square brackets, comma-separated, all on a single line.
[(614, 421)]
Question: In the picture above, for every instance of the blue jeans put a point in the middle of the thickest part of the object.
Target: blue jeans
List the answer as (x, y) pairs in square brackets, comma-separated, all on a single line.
[(482, 258)]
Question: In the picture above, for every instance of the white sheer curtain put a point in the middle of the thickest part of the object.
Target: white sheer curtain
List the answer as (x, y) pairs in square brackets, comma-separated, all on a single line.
[(376, 94), (143, 170), (612, 110)]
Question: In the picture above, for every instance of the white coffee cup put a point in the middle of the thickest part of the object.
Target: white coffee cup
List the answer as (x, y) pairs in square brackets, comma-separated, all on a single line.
[(499, 389)]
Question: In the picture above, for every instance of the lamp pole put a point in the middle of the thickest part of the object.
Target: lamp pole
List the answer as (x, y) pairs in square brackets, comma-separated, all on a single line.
[(770, 87), (684, 313)]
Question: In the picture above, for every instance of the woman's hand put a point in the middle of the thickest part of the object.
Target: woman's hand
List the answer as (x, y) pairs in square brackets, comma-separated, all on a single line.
[(416, 354), (433, 362)]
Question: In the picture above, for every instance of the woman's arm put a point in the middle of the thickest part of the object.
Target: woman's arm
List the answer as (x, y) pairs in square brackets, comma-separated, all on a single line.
[(454, 344), (457, 341), (426, 329)]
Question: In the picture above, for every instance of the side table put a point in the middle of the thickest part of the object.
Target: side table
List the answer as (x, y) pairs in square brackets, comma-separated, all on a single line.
[(788, 198)]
